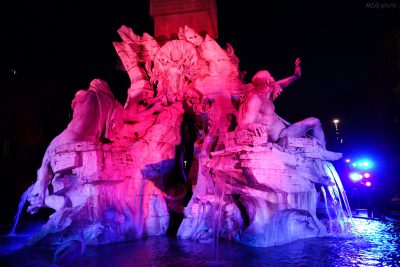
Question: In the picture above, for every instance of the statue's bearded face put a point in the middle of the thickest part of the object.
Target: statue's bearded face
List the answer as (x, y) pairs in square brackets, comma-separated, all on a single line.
[(263, 78)]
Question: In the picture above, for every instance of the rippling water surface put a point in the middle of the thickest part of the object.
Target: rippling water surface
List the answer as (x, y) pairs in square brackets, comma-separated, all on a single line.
[(373, 243)]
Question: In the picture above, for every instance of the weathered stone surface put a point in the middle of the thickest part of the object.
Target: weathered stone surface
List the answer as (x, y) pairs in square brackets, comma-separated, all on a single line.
[(169, 15), (105, 175), (266, 174), (244, 138)]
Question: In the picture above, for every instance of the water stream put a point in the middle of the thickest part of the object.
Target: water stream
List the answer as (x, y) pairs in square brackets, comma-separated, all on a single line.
[(20, 207), (338, 194), (327, 209), (217, 212), (339, 184)]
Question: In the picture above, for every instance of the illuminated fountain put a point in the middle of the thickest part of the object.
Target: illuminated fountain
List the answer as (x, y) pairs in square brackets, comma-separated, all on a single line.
[(105, 174)]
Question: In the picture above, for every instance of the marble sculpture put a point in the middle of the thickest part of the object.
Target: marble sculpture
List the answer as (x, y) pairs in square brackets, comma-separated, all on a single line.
[(259, 179)]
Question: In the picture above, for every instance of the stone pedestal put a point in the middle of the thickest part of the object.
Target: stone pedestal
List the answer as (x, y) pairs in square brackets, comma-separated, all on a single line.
[(107, 193), (267, 192)]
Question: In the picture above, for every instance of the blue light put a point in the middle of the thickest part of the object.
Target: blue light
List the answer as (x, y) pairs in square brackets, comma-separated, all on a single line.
[(363, 164), (355, 176)]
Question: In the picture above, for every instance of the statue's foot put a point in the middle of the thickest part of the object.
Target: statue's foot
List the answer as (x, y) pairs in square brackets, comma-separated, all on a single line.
[(329, 155), (32, 209), (35, 203), (326, 180)]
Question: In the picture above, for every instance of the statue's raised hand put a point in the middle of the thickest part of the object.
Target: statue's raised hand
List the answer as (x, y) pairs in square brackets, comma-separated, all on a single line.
[(297, 69)]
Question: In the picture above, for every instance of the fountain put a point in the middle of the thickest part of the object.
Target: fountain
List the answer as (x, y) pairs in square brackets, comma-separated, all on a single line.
[(105, 175)]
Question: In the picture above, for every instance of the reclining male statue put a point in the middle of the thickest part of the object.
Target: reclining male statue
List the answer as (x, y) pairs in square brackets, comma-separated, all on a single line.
[(257, 112)]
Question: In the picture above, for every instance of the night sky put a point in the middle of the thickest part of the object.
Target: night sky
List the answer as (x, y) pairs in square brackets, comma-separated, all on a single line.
[(67, 44), (70, 44)]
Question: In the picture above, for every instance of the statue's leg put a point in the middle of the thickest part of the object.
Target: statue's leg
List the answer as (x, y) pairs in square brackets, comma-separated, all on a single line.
[(299, 129), (318, 132), (38, 194)]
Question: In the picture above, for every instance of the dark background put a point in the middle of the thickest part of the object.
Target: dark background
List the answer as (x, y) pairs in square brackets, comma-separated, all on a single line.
[(350, 64)]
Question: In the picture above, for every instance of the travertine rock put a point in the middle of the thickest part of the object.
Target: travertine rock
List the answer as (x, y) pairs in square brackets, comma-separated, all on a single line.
[(105, 174)]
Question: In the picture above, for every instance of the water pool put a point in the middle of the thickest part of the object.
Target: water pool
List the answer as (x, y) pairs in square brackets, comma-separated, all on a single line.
[(373, 243)]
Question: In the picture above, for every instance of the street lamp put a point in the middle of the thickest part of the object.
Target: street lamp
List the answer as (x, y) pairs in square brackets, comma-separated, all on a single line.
[(338, 135), (336, 122)]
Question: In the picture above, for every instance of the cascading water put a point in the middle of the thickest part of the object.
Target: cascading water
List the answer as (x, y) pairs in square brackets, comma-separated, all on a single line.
[(217, 212), (20, 207), (337, 206), (338, 194), (327, 209), (334, 174)]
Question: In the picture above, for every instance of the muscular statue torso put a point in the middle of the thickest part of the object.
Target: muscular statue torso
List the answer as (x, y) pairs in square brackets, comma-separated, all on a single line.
[(269, 118), (258, 109)]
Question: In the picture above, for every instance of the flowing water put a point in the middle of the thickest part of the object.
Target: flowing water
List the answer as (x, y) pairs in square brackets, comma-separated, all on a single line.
[(337, 195), (20, 207), (217, 212), (327, 209), (332, 173)]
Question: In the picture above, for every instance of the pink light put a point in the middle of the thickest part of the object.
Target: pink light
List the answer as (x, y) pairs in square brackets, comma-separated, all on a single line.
[(367, 175), (368, 184), (348, 160)]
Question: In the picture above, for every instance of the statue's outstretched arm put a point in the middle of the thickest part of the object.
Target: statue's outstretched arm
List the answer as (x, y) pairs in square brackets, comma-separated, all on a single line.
[(297, 74)]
